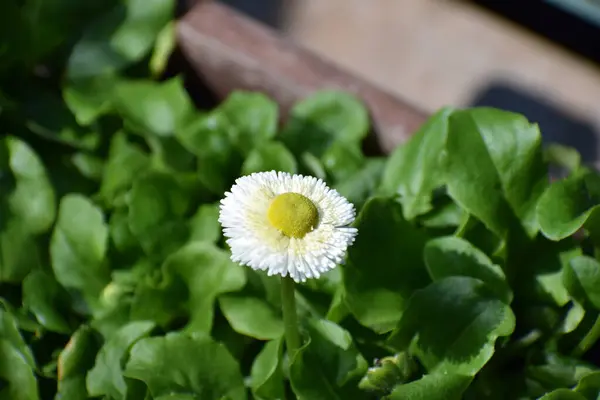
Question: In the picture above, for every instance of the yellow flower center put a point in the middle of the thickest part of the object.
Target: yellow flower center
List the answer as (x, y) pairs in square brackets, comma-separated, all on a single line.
[(293, 214)]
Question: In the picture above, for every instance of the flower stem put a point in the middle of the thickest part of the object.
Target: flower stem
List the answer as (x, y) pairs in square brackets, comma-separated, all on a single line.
[(290, 320), (588, 340)]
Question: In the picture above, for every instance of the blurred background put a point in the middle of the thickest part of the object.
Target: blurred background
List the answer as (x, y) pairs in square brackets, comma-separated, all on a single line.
[(539, 58)]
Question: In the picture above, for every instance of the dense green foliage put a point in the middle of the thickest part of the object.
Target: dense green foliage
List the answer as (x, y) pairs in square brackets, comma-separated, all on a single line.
[(473, 277)]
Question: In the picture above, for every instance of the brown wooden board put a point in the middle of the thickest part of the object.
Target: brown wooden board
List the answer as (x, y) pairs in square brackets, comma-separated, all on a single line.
[(232, 52)]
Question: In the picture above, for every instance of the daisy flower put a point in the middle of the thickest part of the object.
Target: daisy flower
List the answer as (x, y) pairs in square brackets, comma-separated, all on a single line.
[(288, 225)]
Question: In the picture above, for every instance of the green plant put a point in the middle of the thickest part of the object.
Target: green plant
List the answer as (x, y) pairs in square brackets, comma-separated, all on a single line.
[(472, 275)]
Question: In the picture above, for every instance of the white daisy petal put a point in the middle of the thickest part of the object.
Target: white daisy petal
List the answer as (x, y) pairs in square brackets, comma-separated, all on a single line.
[(307, 250)]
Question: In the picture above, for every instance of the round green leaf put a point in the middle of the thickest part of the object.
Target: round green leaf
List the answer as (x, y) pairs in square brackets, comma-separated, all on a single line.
[(207, 271), (567, 204), (157, 203), (252, 317), (47, 300), (268, 157), (106, 378), (19, 252), (589, 386), (209, 137), (563, 156), (323, 118), (385, 265), (342, 160), (252, 117), (328, 366), (19, 382), (178, 363), (204, 224), (455, 322), (47, 115), (363, 184), (153, 107), (125, 163), (9, 331), (119, 38), (78, 246), (453, 256), (120, 232), (90, 98), (581, 277), (32, 200)]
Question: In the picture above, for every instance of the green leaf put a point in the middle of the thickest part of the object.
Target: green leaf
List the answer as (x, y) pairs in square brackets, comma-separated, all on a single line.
[(73, 363), (78, 246), (177, 363), (414, 169), (119, 38), (455, 322), (159, 298), (342, 160), (120, 232), (581, 277), (252, 317), (165, 44), (557, 371), (385, 265), (252, 118), (313, 165), (207, 272), (32, 200), (328, 366), (494, 167), (106, 378), (14, 37), (177, 397), (47, 300), (567, 204), (204, 224), (562, 394), (18, 380), (47, 115), (448, 215), (125, 163), (157, 203), (437, 386), (152, 107), (268, 157), (169, 155), (563, 156), (453, 256), (209, 138), (18, 251), (88, 165), (361, 185), (323, 118), (589, 386), (266, 373), (90, 98), (9, 332), (54, 24)]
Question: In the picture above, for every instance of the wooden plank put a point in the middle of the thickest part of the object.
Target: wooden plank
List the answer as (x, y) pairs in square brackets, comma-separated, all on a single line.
[(229, 51)]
